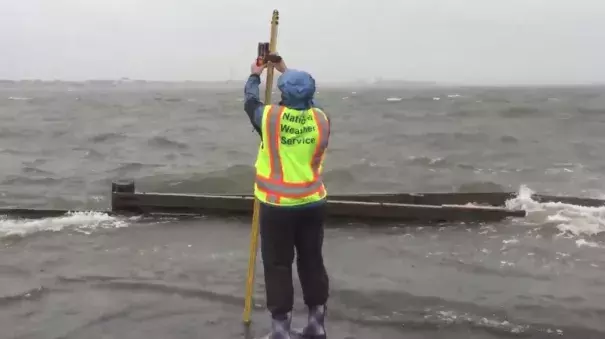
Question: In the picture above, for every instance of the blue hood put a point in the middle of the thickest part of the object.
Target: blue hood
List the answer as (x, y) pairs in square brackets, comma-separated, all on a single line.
[(297, 89)]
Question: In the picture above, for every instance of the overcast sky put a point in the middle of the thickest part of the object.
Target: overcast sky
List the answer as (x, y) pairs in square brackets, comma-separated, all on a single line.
[(463, 41)]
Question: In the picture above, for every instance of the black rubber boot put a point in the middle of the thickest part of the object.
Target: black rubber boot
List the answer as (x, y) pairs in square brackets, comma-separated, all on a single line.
[(280, 327), (315, 328)]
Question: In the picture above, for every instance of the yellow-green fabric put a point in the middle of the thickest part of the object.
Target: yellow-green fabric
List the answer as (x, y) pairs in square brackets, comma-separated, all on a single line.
[(290, 157)]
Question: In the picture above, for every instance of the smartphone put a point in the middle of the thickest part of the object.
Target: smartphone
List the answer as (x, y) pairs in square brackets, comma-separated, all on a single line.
[(263, 56)]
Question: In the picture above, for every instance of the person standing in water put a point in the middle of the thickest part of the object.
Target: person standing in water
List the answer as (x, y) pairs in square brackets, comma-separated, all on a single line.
[(289, 186)]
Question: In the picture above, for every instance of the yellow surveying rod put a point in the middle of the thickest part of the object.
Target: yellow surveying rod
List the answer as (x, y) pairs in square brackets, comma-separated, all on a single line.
[(255, 214)]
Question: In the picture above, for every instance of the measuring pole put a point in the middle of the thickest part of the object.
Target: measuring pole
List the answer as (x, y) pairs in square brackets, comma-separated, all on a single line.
[(255, 214)]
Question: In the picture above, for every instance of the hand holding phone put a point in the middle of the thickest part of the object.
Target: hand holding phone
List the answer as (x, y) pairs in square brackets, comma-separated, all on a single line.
[(264, 56)]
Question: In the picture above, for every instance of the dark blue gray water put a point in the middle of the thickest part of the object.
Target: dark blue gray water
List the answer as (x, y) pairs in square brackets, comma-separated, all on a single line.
[(89, 275)]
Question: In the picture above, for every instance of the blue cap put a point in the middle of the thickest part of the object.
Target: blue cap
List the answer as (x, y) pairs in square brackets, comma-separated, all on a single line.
[(296, 85)]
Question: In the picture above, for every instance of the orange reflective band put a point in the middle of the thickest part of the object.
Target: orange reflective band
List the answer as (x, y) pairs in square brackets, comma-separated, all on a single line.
[(272, 129), (270, 181), (276, 196), (307, 188)]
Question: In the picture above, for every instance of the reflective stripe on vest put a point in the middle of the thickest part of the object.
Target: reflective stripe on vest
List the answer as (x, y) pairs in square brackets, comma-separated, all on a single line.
[(274, 185)]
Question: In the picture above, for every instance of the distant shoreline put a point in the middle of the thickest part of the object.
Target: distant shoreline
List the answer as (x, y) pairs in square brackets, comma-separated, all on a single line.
[(191, 84)]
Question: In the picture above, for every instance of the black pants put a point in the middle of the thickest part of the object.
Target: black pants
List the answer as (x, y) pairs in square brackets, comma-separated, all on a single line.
[(283, 230)]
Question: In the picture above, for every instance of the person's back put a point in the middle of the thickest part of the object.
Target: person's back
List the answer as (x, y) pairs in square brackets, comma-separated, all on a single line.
[(289, 186), (294, 139)]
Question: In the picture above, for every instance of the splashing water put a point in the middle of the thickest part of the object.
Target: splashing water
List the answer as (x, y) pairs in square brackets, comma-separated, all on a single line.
[(80, 221), (571, 220)]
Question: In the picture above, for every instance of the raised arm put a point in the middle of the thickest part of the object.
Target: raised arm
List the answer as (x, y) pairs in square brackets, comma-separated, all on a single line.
[(252, 104)]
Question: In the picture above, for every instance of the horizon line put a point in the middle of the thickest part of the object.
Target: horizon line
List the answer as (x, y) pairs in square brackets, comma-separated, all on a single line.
[(366, 83)]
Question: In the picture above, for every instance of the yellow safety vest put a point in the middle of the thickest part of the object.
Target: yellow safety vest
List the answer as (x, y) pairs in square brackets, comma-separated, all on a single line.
[(290, 157)]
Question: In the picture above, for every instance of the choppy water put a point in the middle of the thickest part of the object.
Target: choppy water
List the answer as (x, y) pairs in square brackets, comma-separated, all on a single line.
[(89, 275)]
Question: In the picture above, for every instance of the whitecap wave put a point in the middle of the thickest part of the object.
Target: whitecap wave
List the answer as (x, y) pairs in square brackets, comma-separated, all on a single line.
[(452, 317), (571, 220), (84, 222)]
